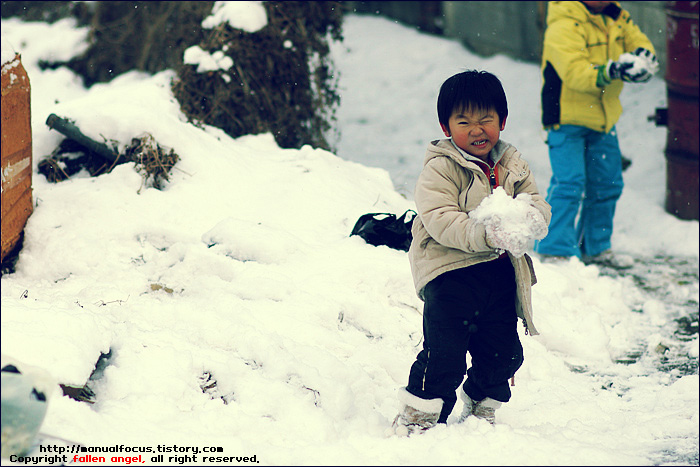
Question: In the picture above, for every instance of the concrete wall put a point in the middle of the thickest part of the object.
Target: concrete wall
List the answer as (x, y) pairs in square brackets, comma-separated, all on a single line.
[(516, 28), (506, 27), (425, 16), (488, 28), (651, 19)]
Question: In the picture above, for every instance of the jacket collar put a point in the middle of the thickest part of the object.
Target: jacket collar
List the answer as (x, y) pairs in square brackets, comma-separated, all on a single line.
[(494, 155), (578, 11), (611, 10), (446, 148), (503, 152)]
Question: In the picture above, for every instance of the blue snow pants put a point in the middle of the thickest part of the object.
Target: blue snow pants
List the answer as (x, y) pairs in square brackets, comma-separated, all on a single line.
[(471, 310), (583, 192)]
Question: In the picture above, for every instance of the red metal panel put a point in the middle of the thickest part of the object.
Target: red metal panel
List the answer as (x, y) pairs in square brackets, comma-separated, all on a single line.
[(682, 148), (682, 187), (16, 153)]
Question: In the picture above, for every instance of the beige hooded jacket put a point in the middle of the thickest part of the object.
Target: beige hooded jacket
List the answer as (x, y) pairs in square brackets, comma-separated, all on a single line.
[(445, 238)]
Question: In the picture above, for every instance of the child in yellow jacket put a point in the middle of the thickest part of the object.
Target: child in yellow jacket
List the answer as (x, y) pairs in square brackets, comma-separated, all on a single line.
[(590, 49)]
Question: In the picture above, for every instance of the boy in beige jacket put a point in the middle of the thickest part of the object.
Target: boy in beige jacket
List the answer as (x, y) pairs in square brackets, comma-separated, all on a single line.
[(473, 275)]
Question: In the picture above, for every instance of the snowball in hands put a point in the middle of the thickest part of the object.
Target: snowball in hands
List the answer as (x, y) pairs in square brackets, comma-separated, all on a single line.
[(638, 67), (510, 222)]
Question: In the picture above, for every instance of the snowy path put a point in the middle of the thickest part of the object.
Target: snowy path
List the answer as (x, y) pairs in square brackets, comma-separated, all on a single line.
[(652, 285), (671, 282)]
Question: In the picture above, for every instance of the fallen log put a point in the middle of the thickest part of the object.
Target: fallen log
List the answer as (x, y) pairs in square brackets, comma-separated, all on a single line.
[(69, 130)]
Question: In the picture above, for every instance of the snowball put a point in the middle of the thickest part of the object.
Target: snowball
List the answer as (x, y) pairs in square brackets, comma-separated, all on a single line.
[(640, 64), (510, 213)]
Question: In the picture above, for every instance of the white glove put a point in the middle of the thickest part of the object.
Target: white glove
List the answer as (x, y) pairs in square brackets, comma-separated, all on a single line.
[(536, 223), (505, 240), (534, 220), (510, 223)]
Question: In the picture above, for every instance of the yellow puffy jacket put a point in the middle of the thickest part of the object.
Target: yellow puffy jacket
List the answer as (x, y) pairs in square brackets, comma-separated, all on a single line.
[(576, 43)]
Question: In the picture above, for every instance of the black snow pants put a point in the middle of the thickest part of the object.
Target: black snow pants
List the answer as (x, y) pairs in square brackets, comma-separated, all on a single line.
[(471, 309)]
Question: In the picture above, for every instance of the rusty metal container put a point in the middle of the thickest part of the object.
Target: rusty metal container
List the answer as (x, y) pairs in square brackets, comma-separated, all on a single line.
[(16, 153), (682, 149)]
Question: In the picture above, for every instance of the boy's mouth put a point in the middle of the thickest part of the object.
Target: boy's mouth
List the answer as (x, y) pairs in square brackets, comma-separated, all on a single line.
[(480, 144)]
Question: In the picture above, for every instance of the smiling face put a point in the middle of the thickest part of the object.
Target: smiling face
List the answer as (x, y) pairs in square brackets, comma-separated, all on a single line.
[(475, 131)]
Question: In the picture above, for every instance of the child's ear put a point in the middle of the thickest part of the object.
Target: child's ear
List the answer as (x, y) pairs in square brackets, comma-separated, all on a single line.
[(503, 123), (445, 130)]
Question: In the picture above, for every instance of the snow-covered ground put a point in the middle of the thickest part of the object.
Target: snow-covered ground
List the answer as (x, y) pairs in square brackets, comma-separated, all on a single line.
[(242, 269)]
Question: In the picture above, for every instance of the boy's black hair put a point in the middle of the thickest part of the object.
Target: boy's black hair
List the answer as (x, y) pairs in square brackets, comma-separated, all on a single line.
[(471, 89)]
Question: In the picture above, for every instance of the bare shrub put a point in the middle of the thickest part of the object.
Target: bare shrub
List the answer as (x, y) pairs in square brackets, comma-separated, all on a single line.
[(281, 81)]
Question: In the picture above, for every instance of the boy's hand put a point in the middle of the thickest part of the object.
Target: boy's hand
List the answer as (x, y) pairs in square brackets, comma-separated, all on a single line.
[(615, 70), (649, 59), (510, 223), (633, 67), (537, 224), (501, 239)]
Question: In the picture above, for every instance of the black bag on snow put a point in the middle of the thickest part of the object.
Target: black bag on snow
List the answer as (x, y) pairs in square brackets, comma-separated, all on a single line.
[(386, 229)]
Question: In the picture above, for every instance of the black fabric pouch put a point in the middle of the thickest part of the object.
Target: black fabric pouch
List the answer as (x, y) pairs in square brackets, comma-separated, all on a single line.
[(386, 229)]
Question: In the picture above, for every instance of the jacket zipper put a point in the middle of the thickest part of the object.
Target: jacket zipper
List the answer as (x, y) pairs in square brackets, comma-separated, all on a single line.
[(492, 177)]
